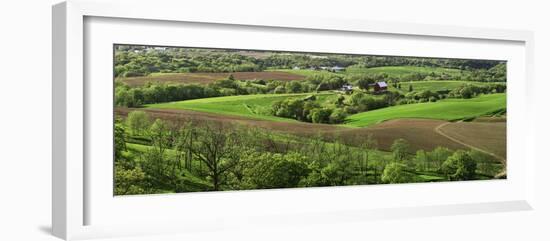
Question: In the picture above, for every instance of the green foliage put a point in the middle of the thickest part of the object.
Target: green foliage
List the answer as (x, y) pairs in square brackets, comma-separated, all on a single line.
[(120, 139), (307, 110), (320, 115), (289, 108), (364, 102), (468, 91), (138, 122), (218, 149), (184, 156), (460, 166), (155, 93), (400, 149), (275, 170), (129, 181), (140, 61), (294, 87), (208, 156), (486, 164), (337, 116), (396, 173)]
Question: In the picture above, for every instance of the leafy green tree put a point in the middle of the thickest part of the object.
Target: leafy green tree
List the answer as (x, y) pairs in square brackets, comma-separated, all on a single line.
[(289, 108), (396, 173), (339, 172), (129, 181), (320, 115), (120, 139), (277, 170), (138, 122), (368, 145), (410, 88), (486, 164), (229, 83), (337, 116), (293, 87), (422, 160), (279, 90), (460, 166), (400, 149), (323, 86), (364, 83), (438, 156), (159, 132)]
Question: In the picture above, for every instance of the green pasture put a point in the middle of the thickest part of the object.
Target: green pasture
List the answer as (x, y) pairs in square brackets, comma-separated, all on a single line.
[(253, 106), (403, 70), (448, 109), (437, 85)]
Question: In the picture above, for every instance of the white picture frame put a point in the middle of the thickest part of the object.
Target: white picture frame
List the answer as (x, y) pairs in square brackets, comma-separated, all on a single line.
[(72, 191)]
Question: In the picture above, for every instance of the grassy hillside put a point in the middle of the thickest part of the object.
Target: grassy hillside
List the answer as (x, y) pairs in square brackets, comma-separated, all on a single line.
[(436, 85), (254, 106), (449, 109), (402, 70)]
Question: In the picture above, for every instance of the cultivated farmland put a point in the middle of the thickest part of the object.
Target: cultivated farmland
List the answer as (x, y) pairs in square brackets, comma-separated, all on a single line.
[(193, 120)]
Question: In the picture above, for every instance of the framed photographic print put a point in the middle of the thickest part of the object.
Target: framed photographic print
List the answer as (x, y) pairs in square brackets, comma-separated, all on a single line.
[(168, 121)]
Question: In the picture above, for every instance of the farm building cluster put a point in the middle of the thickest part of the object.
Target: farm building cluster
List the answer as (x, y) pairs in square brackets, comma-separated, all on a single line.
[(378, 87), (331, 69)]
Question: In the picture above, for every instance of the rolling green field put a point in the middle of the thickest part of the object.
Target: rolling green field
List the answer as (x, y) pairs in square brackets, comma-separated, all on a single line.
[(389, 70), (258, 107), (253, 106), (402, 70), (448, 109), (437, 85)]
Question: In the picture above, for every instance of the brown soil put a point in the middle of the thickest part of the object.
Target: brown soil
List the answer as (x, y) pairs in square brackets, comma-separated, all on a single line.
[(488, 136), (206, 78), (419, 132)]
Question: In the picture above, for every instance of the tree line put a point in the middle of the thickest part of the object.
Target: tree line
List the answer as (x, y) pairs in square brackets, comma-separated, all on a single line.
[(136, 60), (206, 156)]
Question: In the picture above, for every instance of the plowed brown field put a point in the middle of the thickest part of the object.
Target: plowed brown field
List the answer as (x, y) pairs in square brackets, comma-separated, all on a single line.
[(420, 133), (488, 136)]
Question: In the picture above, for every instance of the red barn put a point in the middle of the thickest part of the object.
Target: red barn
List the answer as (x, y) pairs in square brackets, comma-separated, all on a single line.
[(380, 86)]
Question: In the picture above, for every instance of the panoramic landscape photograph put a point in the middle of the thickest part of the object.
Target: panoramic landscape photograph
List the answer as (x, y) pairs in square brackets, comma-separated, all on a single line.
[(192, 119)]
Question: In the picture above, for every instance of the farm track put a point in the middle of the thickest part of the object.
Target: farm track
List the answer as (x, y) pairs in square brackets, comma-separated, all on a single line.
[(500, 158), (438, 130)]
